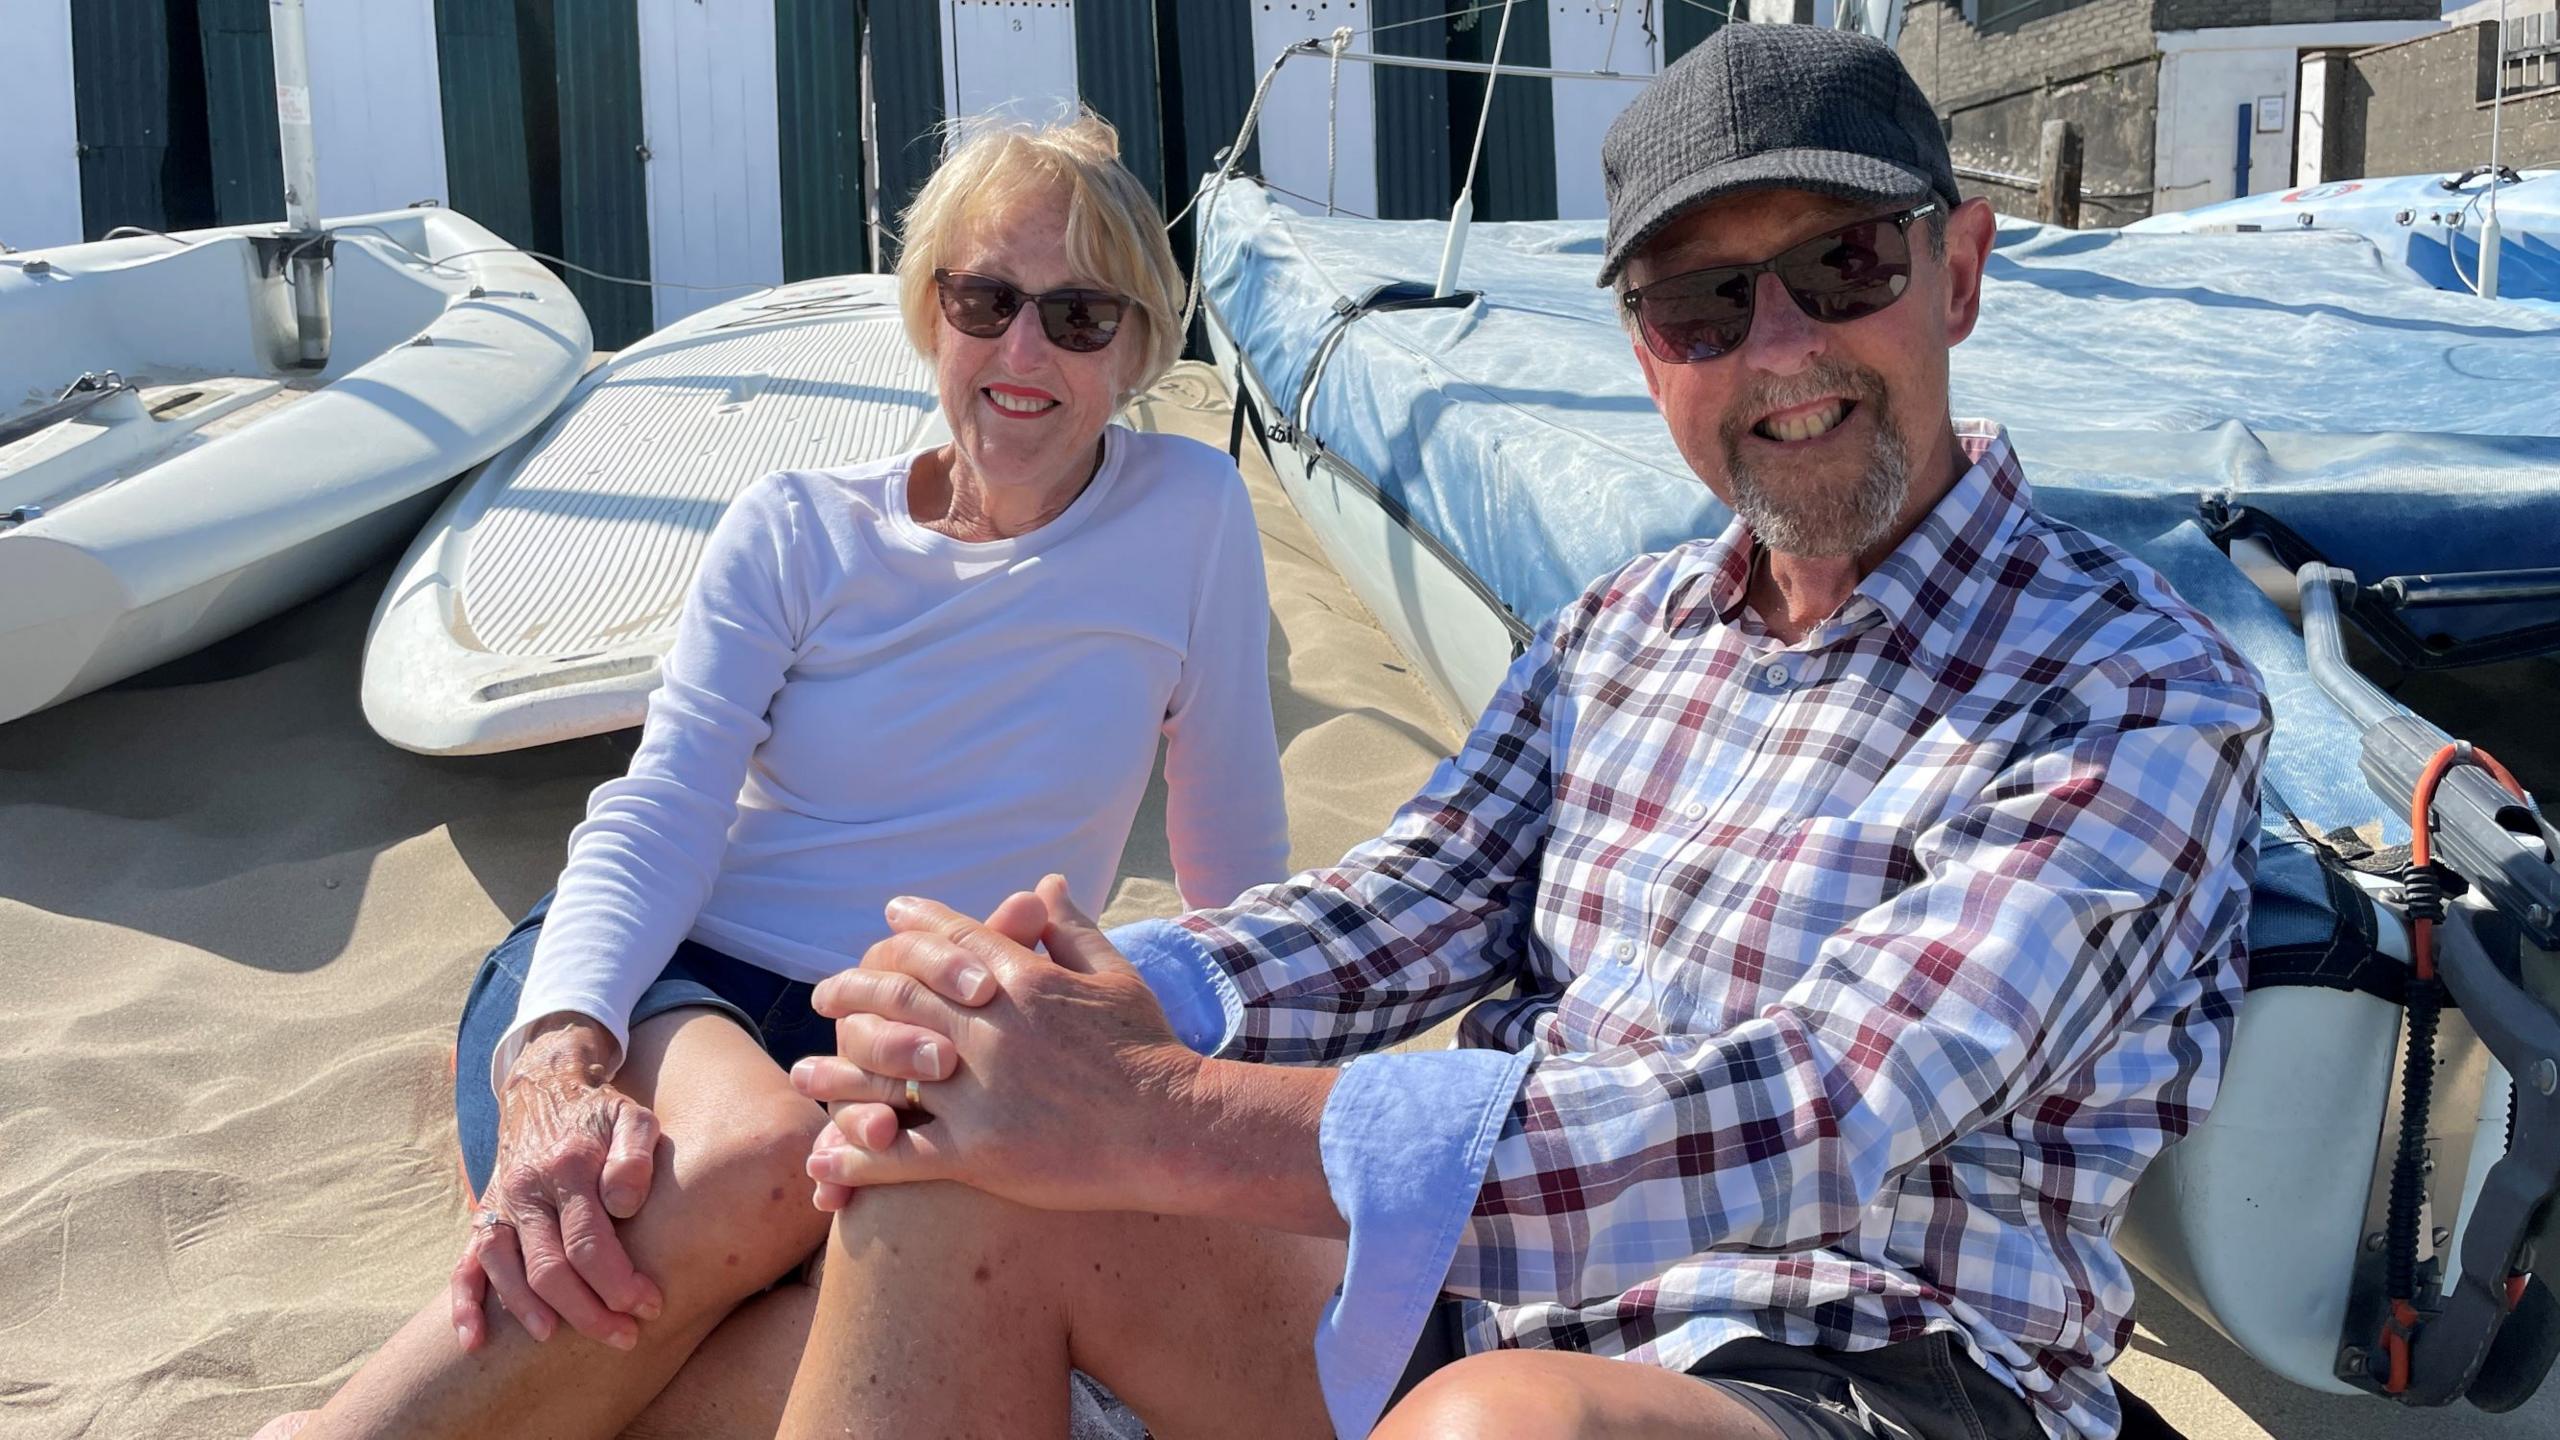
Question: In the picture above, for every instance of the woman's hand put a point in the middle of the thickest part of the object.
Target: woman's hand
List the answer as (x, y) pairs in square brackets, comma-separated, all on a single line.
[(1050, 1080), (574, 1155)]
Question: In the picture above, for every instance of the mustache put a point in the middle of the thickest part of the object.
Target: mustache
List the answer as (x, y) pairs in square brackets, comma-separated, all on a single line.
[(1828, 375)]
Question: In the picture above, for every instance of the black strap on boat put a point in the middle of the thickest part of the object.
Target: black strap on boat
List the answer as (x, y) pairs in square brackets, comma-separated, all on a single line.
[(1381, 299), (2347, 958), (1235, 414), (92, 389)]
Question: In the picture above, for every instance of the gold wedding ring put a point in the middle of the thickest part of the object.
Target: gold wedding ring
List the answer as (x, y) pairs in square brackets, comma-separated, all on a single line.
[(915, 1097)]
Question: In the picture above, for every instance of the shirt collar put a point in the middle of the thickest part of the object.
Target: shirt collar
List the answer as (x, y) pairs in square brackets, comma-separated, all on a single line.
[(1928, 587)]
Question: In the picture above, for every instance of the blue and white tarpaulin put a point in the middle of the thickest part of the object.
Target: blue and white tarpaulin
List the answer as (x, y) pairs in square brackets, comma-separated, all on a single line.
[(2304, 374)]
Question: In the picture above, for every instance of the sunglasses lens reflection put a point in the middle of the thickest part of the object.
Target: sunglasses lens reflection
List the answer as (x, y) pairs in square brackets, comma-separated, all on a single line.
[(1081, 321), (1846, 274), (1690, 318), (1850, 273), (983, 307), (979, 307)]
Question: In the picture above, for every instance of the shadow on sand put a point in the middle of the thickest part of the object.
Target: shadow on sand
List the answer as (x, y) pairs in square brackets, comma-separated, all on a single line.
[(274, 767)]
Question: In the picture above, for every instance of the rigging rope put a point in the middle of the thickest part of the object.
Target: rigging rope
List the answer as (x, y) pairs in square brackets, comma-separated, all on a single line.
[(1226, 167), (1333, 114)]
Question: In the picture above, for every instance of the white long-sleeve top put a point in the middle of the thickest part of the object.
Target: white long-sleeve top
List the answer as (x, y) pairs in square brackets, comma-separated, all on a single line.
[(856, 707)]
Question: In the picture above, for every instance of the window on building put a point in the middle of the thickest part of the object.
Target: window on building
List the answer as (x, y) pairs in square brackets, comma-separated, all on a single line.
[(2010, 14), (2532, 52)]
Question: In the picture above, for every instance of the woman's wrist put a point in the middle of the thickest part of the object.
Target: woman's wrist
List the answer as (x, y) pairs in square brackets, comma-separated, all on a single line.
[(569, 1044)]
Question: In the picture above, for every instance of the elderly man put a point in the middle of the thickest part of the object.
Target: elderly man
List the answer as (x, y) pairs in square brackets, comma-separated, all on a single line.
[(1864, 888)]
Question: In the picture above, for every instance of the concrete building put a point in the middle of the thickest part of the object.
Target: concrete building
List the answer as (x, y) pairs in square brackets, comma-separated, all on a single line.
[(2178, 102), (2426, 104)]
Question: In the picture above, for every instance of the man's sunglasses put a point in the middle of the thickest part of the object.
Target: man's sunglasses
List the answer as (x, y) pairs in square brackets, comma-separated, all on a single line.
[(983, 307), (1837, 276)]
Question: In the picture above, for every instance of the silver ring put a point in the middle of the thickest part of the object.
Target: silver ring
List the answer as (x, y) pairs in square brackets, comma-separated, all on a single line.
[(490, 1220), (915, 1097)]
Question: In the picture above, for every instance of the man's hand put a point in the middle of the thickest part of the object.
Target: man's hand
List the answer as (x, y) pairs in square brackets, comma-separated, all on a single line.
[(1051, 1080)]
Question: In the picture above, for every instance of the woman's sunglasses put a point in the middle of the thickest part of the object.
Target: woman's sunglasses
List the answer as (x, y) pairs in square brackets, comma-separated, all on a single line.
[(982, 307), (1840, 275)]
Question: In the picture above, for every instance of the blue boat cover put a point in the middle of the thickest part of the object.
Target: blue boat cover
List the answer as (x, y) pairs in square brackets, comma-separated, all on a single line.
[(2430, 223), (2396, 427)]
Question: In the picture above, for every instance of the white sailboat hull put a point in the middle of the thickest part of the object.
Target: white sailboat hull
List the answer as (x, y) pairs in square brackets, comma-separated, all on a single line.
[(225, 485)]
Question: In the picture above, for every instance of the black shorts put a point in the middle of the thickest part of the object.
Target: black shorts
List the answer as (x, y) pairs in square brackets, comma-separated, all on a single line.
[(1923, 1389)]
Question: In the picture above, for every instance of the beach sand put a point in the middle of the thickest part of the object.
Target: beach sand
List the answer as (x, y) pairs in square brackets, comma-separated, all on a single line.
[(235, 931)]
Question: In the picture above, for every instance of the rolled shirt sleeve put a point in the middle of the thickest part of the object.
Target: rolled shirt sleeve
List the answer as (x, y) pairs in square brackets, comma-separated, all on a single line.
[(1339, 962)]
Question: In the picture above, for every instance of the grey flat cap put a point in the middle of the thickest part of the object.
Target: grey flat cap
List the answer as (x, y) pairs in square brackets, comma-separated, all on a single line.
[(1763, 107)]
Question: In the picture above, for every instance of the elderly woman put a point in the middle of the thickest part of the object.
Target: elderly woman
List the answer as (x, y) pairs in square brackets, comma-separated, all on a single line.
[(939, 674)]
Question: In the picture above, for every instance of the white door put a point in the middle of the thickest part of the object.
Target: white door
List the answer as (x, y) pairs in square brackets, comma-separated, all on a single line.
[(1009, 60), (40, 162), (1307, 114), (377, 114), (715, 159), (1619, 37), (2203, 97)]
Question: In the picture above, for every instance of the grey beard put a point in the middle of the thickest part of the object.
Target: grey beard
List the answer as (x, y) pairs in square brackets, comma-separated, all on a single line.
[(1793, 520)]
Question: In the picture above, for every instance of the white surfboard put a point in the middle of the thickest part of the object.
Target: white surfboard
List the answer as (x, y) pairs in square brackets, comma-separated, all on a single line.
[(536, 604)]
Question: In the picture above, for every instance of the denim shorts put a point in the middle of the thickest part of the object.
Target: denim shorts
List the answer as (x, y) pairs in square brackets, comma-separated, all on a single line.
[(769, 1008)]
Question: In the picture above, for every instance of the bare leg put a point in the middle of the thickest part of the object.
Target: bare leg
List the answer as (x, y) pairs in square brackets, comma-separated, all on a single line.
[(946, 1312), (1548, 1395), (729, 1213), (736, 1381)]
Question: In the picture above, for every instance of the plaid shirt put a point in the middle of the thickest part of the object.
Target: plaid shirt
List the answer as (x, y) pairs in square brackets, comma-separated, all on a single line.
[(1851, 983)]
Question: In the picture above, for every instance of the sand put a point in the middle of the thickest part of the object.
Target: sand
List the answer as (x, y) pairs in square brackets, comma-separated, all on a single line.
[(235, 931)]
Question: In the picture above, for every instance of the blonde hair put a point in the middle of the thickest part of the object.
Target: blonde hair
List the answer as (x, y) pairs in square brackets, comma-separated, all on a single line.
[(1115, 235)]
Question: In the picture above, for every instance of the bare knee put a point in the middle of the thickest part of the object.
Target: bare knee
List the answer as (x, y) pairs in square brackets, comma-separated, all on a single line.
[(1494, 1396), (1552, 1395), (729, 1210)]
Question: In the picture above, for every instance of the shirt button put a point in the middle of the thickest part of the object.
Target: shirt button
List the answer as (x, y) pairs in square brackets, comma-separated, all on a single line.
[(1776, 674), (1625, 948), (1694, 810)]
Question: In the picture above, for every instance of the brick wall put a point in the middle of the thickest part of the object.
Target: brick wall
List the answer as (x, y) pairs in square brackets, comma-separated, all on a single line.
[(2219, 14), (2414, 107), (2094, 63)]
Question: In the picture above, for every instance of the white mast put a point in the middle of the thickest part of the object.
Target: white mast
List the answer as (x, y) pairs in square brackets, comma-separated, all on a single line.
[(307, 263), (1454, 248), (2489, 236)]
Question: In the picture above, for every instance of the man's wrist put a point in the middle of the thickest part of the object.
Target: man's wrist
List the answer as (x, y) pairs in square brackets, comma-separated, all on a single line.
[(1241, 1143)]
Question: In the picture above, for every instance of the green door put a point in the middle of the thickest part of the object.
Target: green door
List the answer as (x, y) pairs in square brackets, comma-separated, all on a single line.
[(481, 79), (240, 111), (1516, 179), (1414, 161), (594, 47), (817, 57), (1116, 77), (906, 106), (120, 103), (1685, 23)]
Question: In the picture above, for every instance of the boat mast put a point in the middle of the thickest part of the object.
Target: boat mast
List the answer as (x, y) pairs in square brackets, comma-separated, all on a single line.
[(2489, 236), (1454, 248), (307, 262)]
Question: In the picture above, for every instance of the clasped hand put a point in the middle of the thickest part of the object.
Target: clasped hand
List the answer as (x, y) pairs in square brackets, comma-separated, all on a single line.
[(1046, 1078)]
